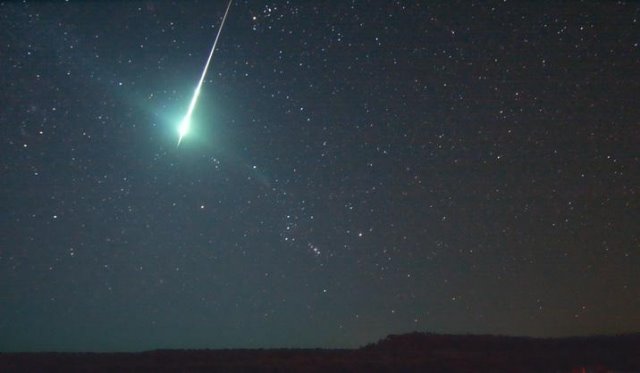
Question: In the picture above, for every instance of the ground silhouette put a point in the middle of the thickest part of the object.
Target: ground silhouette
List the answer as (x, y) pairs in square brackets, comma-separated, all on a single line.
[(414, 352)]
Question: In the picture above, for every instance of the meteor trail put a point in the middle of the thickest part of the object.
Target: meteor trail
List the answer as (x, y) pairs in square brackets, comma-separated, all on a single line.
[(186, 121)]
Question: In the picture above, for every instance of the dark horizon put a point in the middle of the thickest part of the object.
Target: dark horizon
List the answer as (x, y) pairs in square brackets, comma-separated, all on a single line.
[(353, 169), (372, 344), (414, 352)]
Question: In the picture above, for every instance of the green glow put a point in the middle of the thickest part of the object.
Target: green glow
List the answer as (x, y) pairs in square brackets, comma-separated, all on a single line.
[(183, 129), (185, 125)]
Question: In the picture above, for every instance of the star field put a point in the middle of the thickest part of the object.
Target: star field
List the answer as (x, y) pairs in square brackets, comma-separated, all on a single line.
[(355, 169)]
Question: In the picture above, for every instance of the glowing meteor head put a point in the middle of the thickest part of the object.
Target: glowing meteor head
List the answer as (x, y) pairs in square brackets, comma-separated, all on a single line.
[(183, 129)]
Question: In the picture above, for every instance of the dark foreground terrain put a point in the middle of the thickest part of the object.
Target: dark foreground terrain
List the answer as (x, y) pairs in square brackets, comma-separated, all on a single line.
[(416, 352)]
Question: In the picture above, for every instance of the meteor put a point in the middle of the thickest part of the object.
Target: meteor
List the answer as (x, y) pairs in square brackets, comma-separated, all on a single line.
[(183, 129)]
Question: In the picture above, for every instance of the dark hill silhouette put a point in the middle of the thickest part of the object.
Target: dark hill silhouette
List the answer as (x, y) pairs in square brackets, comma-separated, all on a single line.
[(414, 352), (620, 352)]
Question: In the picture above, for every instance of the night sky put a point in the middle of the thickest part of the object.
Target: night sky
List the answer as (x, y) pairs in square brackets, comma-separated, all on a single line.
[(354, 169)]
